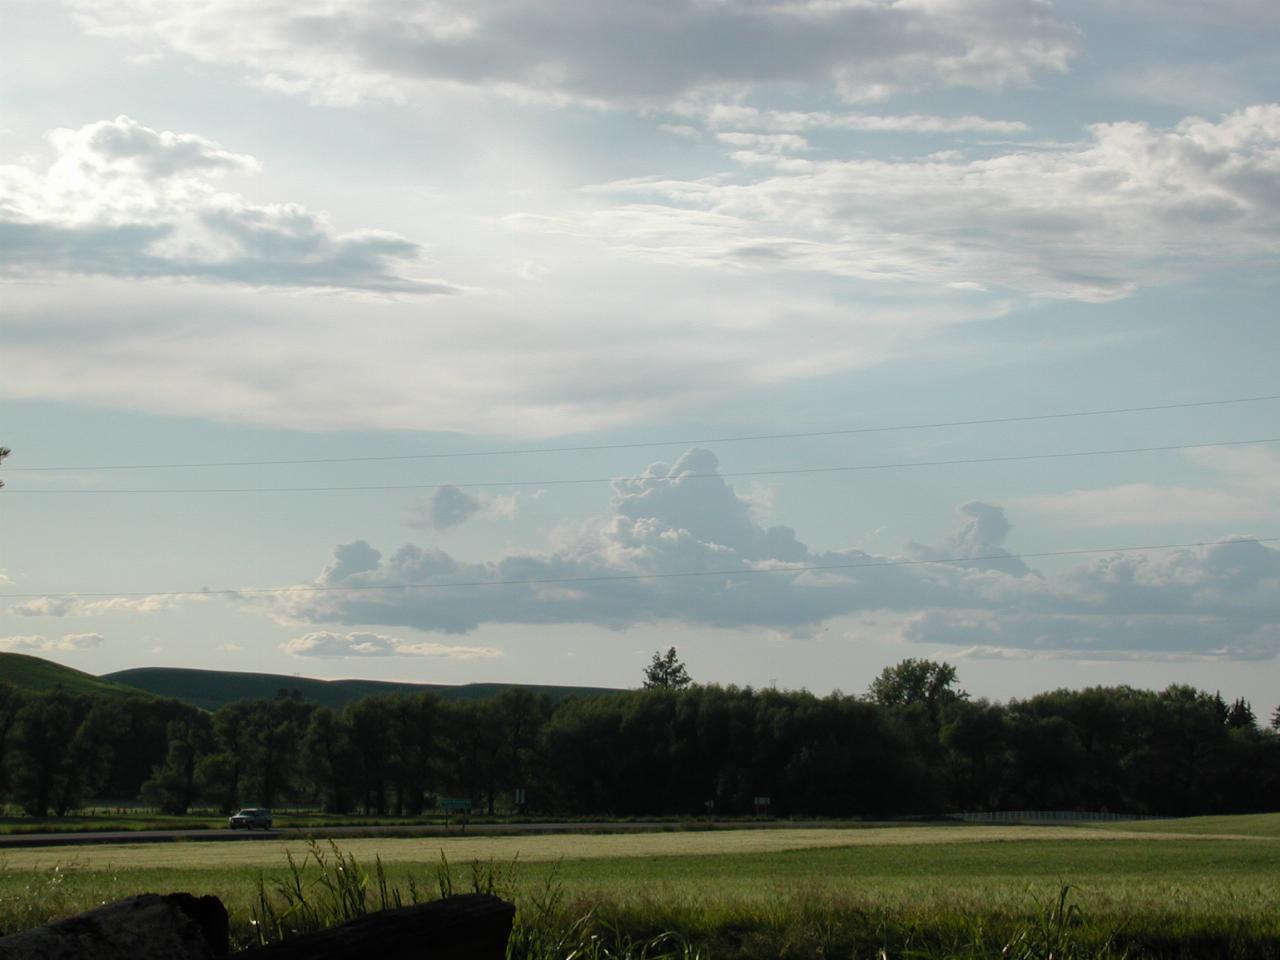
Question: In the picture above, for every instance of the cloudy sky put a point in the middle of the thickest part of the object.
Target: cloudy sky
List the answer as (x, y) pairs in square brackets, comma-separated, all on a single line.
[(516, 339)]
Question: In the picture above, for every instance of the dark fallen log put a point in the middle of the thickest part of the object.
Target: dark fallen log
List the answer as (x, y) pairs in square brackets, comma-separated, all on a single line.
[(146, 927), (473, 926)]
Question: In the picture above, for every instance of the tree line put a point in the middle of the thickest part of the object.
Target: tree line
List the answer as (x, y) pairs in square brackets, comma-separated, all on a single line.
[(914, 744)]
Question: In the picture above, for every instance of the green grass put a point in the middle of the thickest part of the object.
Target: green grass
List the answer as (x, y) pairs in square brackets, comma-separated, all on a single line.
[(741, 895), (37, 675), (1249, 824)]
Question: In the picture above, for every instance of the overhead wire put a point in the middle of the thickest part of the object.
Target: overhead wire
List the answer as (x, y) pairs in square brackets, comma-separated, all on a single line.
[(648, 478), (639, 444)]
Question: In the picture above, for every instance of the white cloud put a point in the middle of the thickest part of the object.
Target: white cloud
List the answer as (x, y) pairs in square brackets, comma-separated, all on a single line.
[(737, 116), (75, 606), (536, 360), (766, 142), (41, 644), (324, 644), (121, 199), (612, 51), (1246, 488), (1131, 205), (45, 607), (678, 547), (681, 130)]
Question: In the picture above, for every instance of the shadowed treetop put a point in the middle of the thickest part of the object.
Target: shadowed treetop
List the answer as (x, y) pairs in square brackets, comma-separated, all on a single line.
[(666, 671)]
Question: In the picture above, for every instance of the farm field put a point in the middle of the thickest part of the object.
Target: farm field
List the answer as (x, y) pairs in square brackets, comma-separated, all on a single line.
[(1207, 884)]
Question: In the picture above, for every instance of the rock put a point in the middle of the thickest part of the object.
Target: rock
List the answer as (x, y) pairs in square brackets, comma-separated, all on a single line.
[(146, 927), (473, 926)]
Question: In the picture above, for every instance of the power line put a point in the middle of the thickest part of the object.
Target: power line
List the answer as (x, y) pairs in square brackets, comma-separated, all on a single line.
[(623, 577), (782, 471), (655, 443)]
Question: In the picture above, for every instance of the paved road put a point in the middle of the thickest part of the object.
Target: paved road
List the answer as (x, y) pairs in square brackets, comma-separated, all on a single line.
[(397, 830)]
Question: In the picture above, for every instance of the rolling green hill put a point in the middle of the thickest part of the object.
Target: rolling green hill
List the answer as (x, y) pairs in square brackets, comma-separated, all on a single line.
[(211, 689), (37, 675)]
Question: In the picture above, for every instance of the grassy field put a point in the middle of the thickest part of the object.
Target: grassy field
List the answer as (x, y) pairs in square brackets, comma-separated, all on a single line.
[(1174, 888), (1251, 824), (37, 675)]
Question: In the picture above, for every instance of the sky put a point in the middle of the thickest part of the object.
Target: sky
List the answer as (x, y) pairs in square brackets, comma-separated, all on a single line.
[(514, 340)]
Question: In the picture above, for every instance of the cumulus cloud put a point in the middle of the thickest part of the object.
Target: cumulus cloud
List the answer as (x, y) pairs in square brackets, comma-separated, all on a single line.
[(121, 199), (1132, 204), (324, 644), (981, 536), (681, 545), (42, 644), (611, 52)]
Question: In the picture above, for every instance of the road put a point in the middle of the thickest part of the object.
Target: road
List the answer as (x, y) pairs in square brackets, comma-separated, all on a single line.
[(23, 840)]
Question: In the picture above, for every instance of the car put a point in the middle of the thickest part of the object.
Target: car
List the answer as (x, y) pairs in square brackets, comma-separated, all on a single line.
[(250, 817)]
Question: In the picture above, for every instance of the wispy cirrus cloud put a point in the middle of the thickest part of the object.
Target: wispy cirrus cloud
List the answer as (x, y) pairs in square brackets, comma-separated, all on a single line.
[(64, 606), (738, 116), (327, 644), (1245, 488), (612, 52), (1130, 205)]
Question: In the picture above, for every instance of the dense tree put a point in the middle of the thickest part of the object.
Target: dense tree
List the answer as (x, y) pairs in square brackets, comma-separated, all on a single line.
[(139, 740), (975, 738), (414, 730), (473, 748), (222, 773), (59, 751), (521, 716), (917, 682), (367, 721), (1240, 714), (173, 787), (11, 701), (327, 759), (916, 745), (666, 671)]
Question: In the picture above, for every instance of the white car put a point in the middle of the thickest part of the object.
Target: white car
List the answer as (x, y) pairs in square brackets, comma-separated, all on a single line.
[(249, 818)]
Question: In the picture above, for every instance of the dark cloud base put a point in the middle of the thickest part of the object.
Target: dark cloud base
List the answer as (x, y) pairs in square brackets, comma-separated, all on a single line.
[(1222, 600)]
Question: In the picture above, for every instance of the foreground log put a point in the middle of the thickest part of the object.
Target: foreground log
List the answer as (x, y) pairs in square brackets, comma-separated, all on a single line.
[(146, 927), (473, 926)]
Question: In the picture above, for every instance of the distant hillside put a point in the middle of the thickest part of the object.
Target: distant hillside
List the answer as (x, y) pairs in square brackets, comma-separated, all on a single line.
[(37, 675), (212, 689)]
